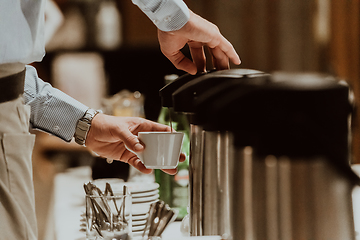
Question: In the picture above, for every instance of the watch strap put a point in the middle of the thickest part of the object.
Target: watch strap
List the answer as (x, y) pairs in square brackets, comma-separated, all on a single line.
[(83, 126)]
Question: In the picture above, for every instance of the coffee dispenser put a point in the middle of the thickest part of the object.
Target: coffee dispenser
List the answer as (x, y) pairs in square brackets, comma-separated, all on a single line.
[(288, 172), (269, 154), (182, 94)]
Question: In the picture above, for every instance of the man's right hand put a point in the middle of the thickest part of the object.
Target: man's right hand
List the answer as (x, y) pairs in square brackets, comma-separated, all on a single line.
[(197, 33)]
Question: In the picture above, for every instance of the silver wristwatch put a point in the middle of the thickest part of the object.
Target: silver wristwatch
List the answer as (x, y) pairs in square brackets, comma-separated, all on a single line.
[(83, 126)]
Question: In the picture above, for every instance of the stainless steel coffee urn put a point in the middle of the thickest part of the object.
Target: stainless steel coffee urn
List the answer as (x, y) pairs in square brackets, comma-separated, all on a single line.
[(206, 148), (269, 155)]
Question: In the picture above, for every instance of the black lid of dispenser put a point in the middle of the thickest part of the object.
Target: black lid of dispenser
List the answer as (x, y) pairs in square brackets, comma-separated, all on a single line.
[(303, 108), (285, 114), (297, 115), (167, 91), (184, 98), (212, 99)]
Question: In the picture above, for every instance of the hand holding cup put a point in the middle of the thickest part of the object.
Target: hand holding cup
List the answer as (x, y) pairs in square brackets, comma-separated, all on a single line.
[(161, 149)]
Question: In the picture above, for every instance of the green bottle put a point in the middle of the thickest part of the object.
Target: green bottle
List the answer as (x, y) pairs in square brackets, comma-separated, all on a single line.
[(174, 188)]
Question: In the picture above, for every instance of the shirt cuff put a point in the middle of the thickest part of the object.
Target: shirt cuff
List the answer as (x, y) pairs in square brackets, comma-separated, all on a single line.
[(167, 15), (52, 111)]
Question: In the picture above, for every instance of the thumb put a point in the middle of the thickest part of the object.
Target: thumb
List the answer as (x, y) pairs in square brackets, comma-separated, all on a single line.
[(131, 141)]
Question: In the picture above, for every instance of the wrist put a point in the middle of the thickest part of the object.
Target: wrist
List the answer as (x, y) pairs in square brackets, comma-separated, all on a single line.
[(83, 126)]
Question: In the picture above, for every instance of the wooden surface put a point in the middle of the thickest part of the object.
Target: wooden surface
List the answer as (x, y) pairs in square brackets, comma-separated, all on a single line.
[(345, 56)]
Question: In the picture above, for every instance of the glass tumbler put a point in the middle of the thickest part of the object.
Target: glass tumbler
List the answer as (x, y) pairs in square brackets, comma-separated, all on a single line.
[(108, 217)]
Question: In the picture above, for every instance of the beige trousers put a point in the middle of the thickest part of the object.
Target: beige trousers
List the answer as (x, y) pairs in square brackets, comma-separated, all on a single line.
[(17, 202)]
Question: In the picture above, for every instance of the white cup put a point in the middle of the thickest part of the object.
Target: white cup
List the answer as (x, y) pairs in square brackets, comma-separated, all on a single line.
[(161, 149)]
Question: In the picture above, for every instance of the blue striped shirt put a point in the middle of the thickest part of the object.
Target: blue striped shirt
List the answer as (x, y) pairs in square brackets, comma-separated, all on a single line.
[(167, 15), (51, 110)]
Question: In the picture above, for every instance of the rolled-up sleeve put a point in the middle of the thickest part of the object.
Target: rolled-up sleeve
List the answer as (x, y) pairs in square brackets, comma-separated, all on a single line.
[(51, 110), (167, 15)]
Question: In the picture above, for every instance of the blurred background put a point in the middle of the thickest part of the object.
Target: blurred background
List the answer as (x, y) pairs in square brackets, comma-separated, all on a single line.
[(105, 53)]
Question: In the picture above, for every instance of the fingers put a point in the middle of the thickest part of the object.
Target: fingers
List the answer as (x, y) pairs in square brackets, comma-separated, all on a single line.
[(136, 163), (222, 49), (171, 46), (229, 51), (174, 171), (202, 31), (196, 33), (132, 142), (126, 156), (219, 59), (198, 56), (170, 171), (181, 62), (221, 54), (158, 127), (128, 134), (182, 157)]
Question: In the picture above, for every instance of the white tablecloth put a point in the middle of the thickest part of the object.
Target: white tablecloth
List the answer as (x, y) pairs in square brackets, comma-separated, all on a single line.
[(356, 203), (69, 205)]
